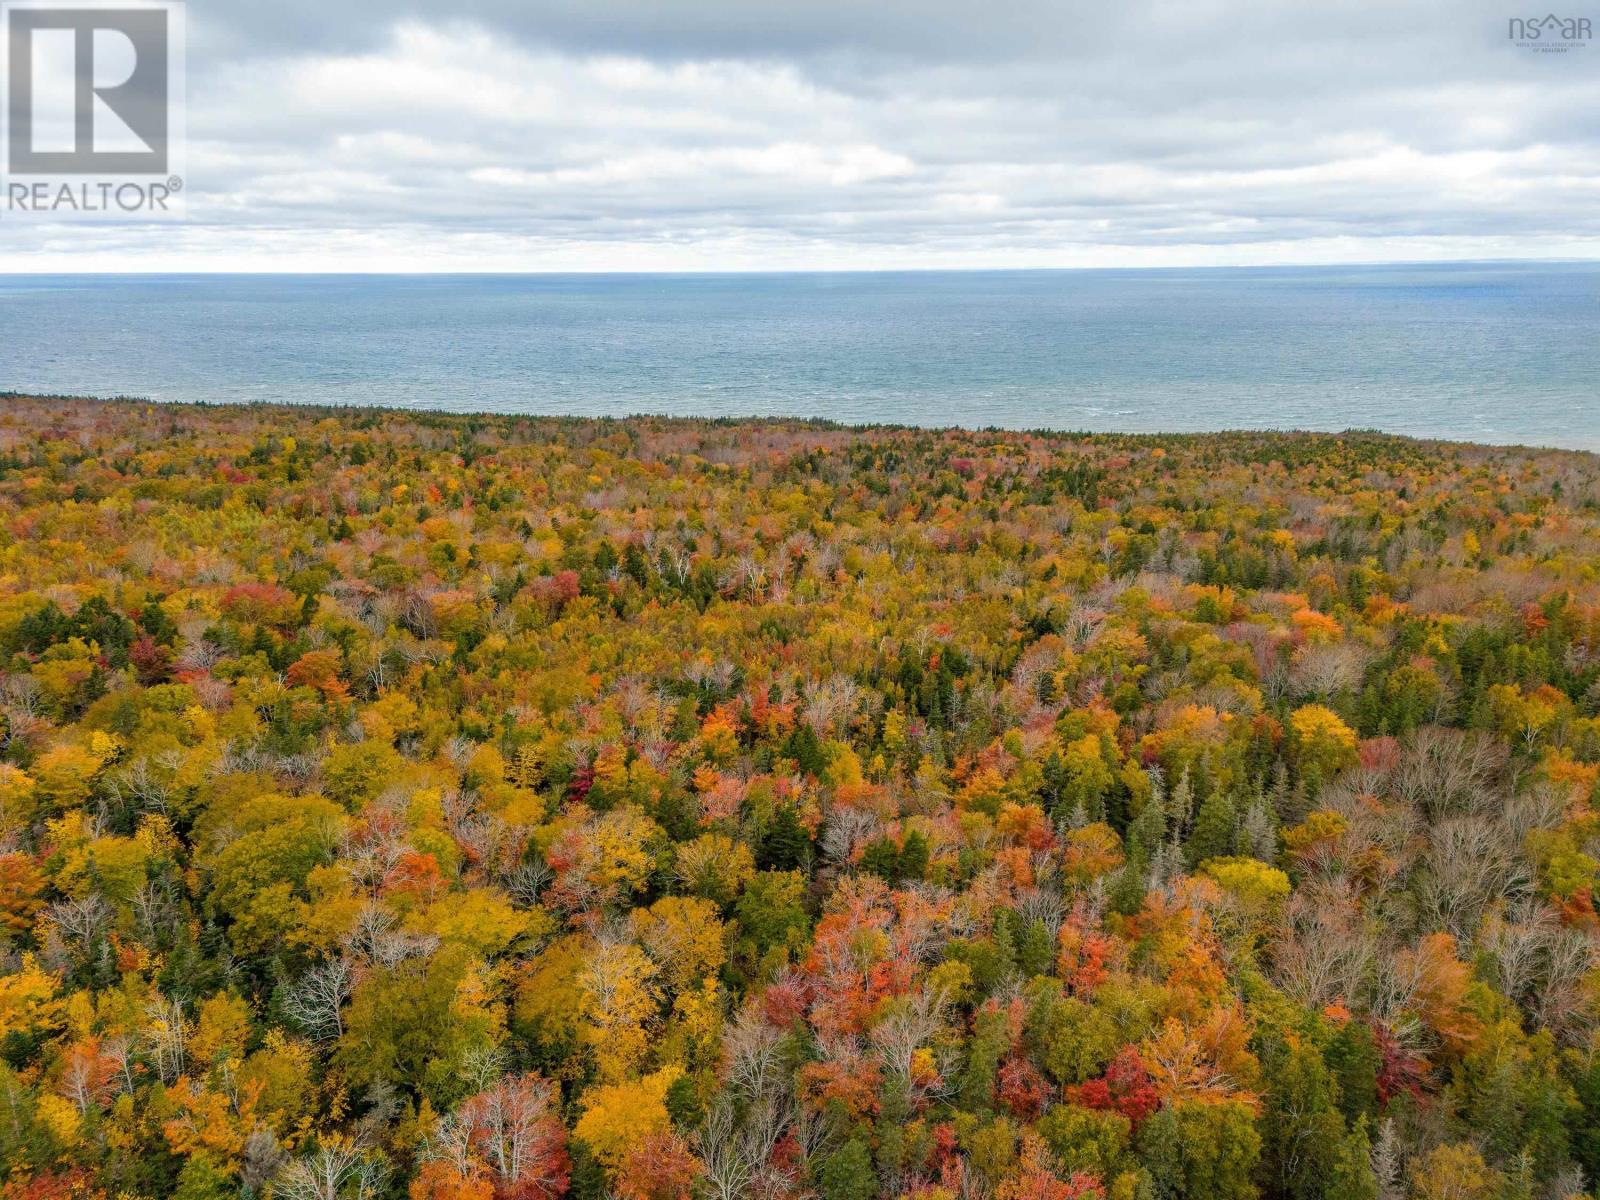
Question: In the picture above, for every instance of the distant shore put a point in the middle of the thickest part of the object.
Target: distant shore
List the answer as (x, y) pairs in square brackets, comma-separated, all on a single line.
[(36, 410)]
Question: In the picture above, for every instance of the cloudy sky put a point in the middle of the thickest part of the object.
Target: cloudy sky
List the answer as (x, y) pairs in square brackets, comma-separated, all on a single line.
[(739, 134)]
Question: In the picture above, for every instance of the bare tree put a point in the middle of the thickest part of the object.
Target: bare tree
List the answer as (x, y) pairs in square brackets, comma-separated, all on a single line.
[(527, 880), (1388, 1162), (1537, 807), (333, 1172), (75, 929), (514, 1123), (1322, 671), (1449, 771), (166, 1036), (153, 906), (263, 1158), (1518, 944), (376, 938), (316, 1001), (846, 828), (1044, 902), (1321, 954), (908, 1026), (736, 1151), (1563, 1005), (830, 702), (1468, 865), (143, 785), (752, 1056)]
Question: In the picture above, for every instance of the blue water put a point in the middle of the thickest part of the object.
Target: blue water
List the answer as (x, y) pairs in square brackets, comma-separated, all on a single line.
[(1488, 352)]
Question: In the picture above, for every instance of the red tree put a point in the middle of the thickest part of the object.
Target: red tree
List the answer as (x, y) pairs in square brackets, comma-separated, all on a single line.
[(515, 1128)]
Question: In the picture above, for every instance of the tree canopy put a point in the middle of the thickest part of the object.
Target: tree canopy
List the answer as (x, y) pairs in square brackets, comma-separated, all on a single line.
[(477, 807)]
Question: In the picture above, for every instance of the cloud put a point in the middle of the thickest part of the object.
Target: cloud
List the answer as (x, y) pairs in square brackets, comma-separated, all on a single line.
[(699, 135)]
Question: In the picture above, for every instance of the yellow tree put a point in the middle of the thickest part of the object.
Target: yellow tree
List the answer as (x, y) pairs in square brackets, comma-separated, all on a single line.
[(620, 1002)]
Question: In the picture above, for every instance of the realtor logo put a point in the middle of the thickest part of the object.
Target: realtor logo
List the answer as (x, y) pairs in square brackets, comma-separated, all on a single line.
[(93, 107), (1550, 34)]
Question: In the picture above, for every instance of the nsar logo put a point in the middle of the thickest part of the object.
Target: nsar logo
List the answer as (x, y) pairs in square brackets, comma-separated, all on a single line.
[(1550, 34)]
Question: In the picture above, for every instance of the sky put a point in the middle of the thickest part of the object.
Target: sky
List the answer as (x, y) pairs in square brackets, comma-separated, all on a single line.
[(683, 135)]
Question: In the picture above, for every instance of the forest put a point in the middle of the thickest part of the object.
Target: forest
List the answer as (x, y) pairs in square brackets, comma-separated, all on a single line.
[(448, 807)]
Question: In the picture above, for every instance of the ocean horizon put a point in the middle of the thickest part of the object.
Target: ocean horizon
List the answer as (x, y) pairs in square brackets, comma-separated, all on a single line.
[(1498, 352)]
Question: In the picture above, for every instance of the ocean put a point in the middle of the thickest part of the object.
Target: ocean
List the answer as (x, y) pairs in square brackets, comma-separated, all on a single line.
[(1493, 352)]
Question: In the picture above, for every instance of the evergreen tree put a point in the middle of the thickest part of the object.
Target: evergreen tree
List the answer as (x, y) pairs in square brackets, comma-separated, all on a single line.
[(1214, 830), (786, 845)]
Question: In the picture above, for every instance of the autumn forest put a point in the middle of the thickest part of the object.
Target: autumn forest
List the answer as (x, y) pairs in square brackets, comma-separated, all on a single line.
[(402, 805)]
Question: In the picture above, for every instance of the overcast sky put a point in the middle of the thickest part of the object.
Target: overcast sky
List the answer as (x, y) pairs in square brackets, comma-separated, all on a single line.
[(706, 135)]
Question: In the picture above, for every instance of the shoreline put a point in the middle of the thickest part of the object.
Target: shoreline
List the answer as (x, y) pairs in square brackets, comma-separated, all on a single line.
[(796, 422)]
